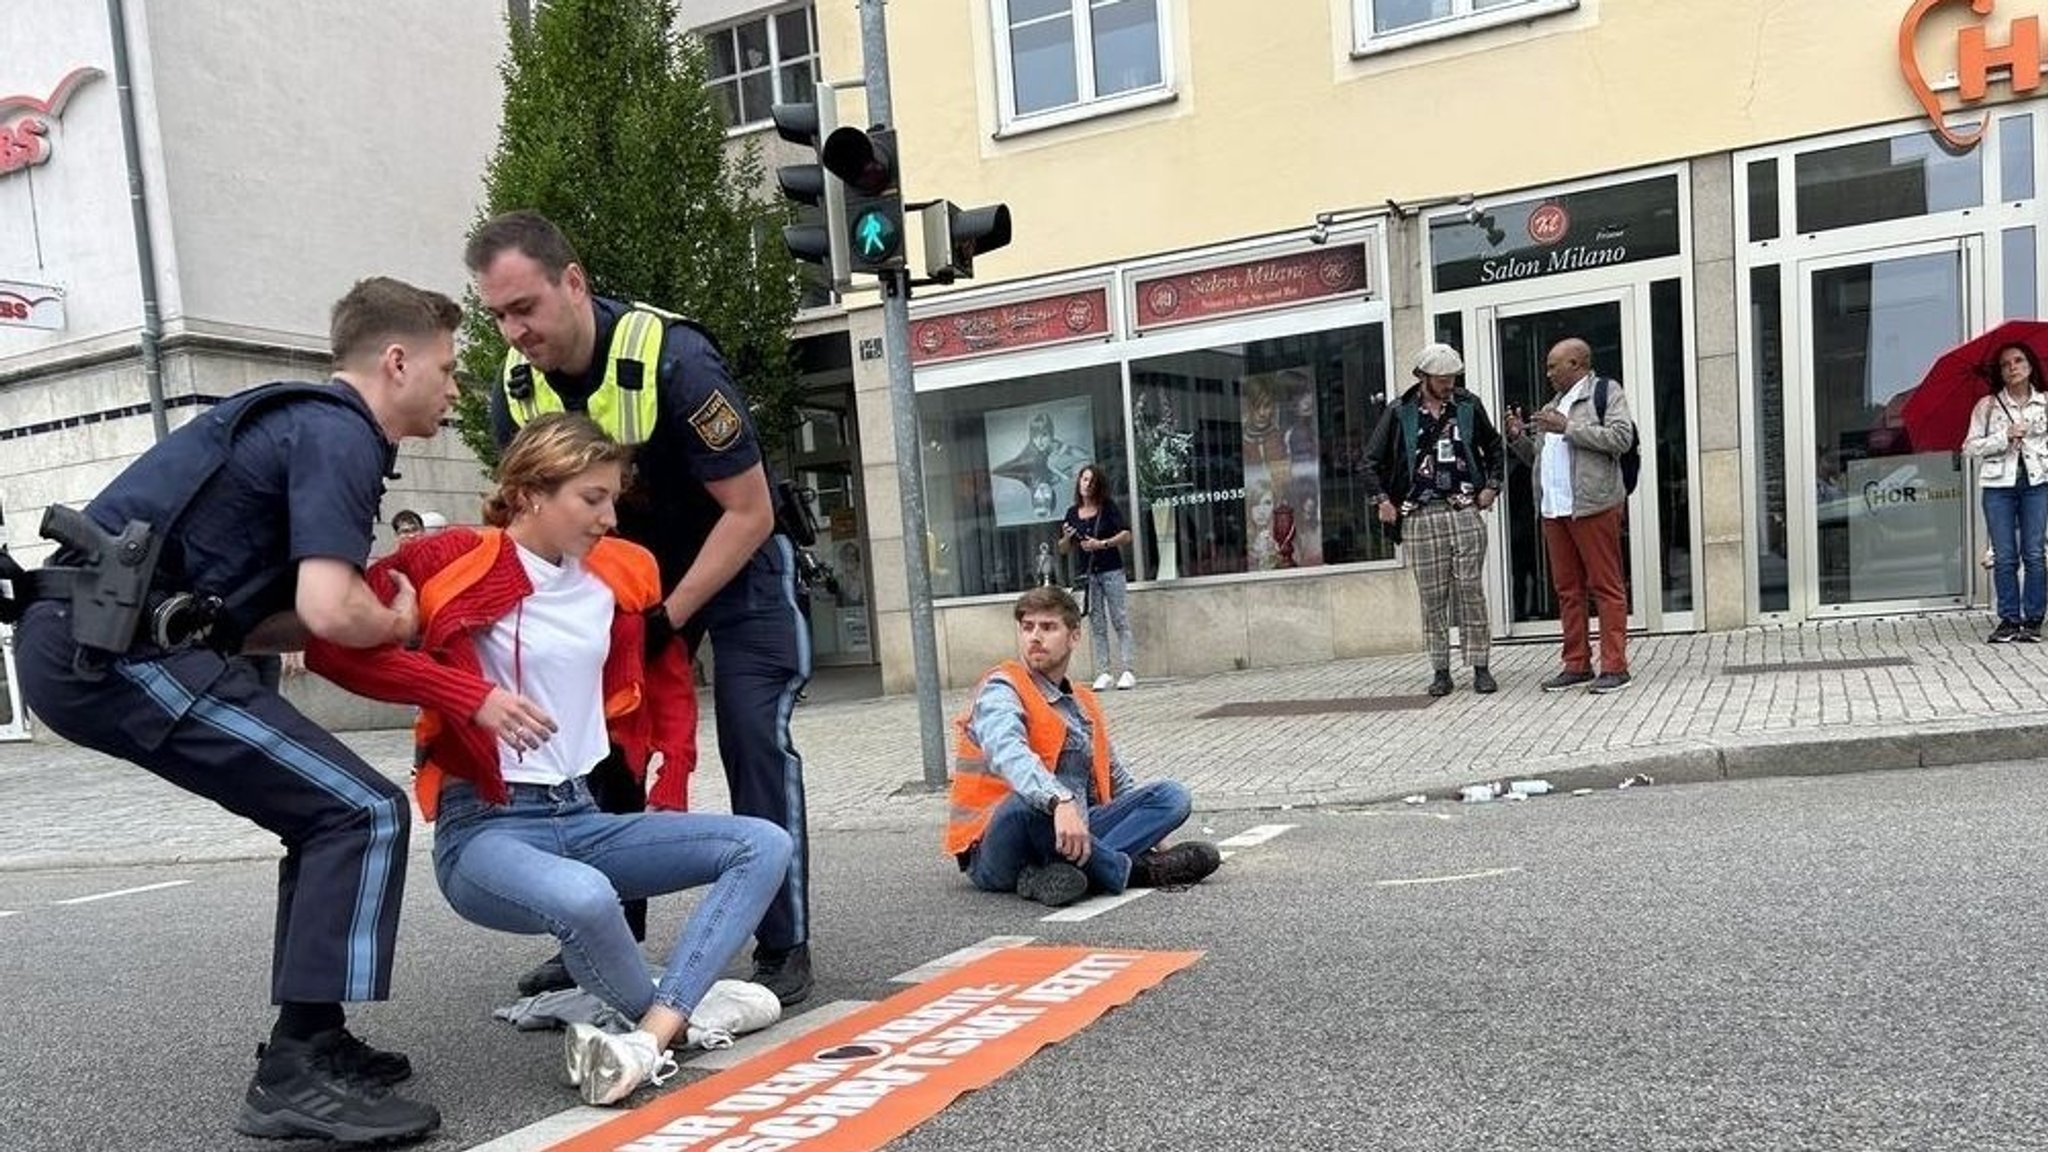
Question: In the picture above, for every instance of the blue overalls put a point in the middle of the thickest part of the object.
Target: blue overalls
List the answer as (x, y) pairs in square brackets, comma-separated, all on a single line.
[(266, 479)]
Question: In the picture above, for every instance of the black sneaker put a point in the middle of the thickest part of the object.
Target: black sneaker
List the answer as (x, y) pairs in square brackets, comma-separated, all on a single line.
[(2007, 632), (1566, 681), (1610, 682), (1177, 867), (1440, 685), (550, 975), (357, 1059), (787, 973), (303, 1089), (1054, 885), (2030, 631), (1482, 681)]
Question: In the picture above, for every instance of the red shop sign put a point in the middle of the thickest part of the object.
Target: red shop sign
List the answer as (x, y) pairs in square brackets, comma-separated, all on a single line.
[(1060, 319), (25, 122), (1254, 286)]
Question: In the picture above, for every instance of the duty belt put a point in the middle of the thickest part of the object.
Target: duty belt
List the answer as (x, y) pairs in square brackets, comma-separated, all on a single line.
[(170, 620)]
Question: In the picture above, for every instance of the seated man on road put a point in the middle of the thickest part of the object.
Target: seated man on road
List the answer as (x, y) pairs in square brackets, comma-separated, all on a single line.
[(1041, 806)]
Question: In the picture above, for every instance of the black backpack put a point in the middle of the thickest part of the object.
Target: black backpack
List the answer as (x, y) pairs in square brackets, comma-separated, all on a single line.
[(1631, 460)]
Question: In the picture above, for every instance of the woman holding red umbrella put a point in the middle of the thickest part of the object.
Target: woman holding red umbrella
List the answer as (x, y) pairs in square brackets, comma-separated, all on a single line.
[(2008, 434)]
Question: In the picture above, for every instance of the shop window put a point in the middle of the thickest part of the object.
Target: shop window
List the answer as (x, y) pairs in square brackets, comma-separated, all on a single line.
[(1079, 56), (1767, 434), (2022, 292), (2016, 158), (1763, 200), (999, 466), (757, 63), (1892, 179), (1673, 443), (1272, 471), (1384, 24)]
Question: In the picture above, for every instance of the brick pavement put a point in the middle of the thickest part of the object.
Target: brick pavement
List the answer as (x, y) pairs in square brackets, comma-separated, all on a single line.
[(1952, 699)]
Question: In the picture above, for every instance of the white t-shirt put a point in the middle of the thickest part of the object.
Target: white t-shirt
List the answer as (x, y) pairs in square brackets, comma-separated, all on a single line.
[(1557, 458), (551, 649)]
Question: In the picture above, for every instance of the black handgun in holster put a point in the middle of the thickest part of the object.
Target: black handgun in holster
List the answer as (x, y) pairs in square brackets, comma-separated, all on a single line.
[(109, 585)]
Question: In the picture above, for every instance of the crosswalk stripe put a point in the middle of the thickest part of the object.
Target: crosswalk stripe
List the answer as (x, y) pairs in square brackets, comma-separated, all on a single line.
[(951, 960), (1095, 906)]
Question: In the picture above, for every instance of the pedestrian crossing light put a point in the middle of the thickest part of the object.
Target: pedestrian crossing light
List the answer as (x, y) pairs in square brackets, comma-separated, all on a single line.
[(865, 162), (819, 235), (950, 237)]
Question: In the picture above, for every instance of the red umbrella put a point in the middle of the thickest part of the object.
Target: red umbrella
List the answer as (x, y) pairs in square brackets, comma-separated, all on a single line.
[(1938, 416)]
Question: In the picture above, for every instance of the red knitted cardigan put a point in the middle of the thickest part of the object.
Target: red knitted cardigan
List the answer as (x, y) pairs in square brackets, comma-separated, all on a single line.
[(650, 706)]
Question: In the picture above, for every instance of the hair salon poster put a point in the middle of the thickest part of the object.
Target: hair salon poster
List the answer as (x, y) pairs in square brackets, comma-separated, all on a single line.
[(1282, 471), (1034, 453)]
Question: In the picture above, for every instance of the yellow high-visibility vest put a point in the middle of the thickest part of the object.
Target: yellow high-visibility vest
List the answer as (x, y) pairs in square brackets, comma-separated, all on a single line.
[(626, 403)]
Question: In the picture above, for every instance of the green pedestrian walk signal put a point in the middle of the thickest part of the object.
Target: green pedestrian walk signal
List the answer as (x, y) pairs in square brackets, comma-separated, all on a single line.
[(877, 237), (865, 163)]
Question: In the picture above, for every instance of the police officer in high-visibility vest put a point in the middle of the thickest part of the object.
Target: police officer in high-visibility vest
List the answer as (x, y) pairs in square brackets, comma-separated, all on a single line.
[(700, 501), (245, 530)]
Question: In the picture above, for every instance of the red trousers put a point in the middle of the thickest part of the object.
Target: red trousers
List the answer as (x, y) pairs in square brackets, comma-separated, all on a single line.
[(1585, 556)]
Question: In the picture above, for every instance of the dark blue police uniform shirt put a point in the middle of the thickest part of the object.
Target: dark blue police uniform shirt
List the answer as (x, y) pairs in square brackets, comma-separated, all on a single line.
[(304, 478), (702, 434)]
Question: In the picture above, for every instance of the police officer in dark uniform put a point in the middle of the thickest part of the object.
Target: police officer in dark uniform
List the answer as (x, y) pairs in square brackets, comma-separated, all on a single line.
[(700, 501), (260, 515)]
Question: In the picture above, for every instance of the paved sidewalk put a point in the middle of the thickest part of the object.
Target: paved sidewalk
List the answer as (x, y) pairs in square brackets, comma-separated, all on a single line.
[(1921, 691)]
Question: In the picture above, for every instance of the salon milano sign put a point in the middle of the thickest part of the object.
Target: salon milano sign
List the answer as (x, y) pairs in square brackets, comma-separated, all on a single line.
[(1977, 59), (25, 122)]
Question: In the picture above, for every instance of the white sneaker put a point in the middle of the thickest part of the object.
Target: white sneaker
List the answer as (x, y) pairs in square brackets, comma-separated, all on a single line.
[(1102, 682), (606, 1068), (1128, 680), (731, 1008)]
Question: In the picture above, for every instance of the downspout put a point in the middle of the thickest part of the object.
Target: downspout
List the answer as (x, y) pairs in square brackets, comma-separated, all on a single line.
[(145, 249)]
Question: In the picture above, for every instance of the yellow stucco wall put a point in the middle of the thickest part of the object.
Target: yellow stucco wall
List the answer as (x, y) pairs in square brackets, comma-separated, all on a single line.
[(1274, 120)]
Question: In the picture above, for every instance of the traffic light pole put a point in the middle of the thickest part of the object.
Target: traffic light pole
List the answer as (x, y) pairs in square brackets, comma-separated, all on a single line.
[(924, 645)]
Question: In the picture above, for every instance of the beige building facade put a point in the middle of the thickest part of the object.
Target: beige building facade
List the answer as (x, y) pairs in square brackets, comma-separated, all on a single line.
[(1236, 225)]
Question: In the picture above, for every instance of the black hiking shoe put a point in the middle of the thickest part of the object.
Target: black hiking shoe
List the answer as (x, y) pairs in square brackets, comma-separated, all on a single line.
[(1177, 867), (357, 1059), (303, 1089), (550, 975), (1054, 885), (787, 972), (1482, 681), (1440, 684)]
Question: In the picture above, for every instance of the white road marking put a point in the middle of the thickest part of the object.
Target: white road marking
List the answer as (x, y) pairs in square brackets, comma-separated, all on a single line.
[(123, 892), (1253, 837), (776, 1035), (1490, 872), (959, 959), (551, 1131), (4, 915), (1094, 906)]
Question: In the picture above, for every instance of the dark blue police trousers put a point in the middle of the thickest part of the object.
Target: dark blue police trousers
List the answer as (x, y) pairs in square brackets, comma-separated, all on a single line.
[(761, 659), (207, 725)]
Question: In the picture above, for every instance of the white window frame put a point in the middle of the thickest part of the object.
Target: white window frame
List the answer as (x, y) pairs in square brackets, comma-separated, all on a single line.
[(1464, 18), (776, 61), (1088, 104)]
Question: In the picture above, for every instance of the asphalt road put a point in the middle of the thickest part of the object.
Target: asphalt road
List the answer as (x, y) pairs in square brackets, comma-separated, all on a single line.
[(1838, 963)]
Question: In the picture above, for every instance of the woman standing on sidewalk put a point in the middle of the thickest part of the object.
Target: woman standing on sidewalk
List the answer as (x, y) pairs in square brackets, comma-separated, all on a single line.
[(533, 660), (2009, 435), (1096, 524)]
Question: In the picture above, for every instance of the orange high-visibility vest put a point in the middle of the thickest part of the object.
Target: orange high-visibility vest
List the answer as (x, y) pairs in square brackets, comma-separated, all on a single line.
[(627, 569), (977, 787)]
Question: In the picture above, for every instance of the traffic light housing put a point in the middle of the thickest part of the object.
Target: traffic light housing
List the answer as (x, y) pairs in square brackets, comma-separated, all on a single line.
[(950, 237), (819, 236), (865, 163)]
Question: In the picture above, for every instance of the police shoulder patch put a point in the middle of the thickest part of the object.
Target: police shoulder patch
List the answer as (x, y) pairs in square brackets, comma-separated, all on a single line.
[(717, 423)]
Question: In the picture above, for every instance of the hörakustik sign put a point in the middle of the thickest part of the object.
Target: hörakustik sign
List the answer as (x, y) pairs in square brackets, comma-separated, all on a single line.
[(860, 1082)]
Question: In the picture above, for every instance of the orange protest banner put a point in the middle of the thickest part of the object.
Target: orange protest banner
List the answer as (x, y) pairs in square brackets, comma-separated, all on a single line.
[(862, 1081)]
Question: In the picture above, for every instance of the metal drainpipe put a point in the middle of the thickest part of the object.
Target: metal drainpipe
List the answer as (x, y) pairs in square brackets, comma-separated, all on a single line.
[(145, 250)]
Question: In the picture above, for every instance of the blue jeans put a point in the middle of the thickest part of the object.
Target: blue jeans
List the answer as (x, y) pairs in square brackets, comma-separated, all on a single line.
[(551, 862), (2017, 517), (1019, 836), (1109, 610)]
